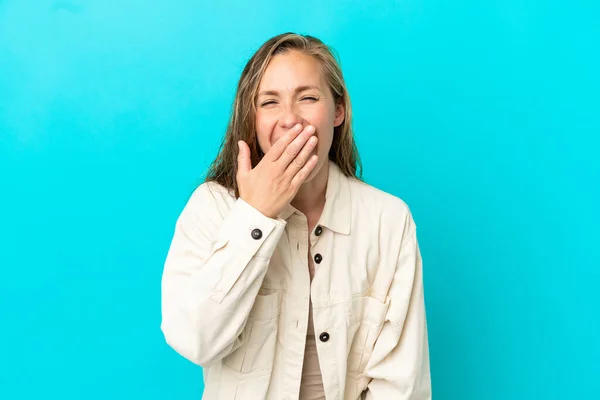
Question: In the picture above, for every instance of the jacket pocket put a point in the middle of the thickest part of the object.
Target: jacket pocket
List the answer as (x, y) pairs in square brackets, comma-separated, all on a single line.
[(255, 388), (218, 245), (366, 316), (259, 338)]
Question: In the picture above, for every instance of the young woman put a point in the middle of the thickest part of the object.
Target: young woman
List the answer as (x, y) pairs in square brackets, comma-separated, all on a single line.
[(287, 276)]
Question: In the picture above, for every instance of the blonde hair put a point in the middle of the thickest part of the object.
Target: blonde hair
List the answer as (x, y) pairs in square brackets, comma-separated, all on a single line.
[(242, 123)]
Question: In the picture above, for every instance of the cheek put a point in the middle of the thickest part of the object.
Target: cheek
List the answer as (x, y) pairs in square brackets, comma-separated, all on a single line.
[(264, 127), (323, 120), (322, 117)]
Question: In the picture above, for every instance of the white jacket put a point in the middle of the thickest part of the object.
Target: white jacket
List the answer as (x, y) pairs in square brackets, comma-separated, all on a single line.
[(236, 288)]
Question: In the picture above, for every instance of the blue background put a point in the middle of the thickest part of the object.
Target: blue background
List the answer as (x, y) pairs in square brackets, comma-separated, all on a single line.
[(482, 115)]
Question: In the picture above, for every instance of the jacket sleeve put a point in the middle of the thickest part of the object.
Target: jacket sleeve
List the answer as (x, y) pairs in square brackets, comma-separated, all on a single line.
[(399, 365), (212, 274)]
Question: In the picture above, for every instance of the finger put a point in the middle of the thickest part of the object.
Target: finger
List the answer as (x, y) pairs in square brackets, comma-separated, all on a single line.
[(292, 150), (244, 162), (301, 158), (304, 172), (281, 144)]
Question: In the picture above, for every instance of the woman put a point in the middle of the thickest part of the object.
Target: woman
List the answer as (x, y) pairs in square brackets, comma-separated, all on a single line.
[(287, 276)]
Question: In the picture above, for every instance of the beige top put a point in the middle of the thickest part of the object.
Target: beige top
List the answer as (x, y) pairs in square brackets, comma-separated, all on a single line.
[(311, 385), (236, 296)]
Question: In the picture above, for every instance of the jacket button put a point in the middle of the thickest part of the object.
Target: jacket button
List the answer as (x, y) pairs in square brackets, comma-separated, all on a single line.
[(324, 337), (318, 258), (256, 234), (318, 231)]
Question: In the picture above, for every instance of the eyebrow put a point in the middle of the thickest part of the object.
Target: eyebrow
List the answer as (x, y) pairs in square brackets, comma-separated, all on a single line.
[(297, 90)]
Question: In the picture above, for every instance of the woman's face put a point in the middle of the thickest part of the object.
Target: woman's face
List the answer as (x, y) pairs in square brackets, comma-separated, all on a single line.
[(293, 90)]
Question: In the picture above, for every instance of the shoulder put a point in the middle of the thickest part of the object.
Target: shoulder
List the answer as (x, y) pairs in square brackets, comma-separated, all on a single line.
[(368, 197), (209, 199), (211, 191), (372, 204)]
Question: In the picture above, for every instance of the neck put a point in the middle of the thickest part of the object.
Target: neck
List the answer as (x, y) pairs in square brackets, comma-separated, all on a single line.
[(310, 198)]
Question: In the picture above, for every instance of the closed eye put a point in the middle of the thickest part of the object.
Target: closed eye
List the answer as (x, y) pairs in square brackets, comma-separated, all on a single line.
[(311, 98)]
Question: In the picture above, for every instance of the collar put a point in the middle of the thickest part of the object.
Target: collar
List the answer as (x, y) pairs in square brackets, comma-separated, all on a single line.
[(337, 211)]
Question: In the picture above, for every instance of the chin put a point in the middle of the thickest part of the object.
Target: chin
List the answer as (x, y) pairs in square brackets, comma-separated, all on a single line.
[(310, 177), (315, 171)]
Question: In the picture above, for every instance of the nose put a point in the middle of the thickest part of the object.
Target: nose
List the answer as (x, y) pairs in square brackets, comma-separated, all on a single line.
[(289, 118)]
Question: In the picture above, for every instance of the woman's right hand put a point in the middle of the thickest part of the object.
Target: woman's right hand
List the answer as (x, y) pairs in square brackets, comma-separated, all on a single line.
[(274, 182)]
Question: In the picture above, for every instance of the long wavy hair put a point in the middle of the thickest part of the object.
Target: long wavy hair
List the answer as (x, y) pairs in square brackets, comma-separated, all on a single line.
[(242, 122)]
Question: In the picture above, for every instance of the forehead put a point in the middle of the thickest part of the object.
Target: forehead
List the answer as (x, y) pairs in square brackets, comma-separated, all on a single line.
[(292, 69)]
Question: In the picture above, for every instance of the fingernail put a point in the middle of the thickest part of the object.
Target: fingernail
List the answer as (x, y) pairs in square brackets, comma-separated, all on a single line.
[(310, 129)]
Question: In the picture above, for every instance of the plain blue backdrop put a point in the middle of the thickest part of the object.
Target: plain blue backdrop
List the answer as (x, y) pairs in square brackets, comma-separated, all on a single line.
[(482, 115)]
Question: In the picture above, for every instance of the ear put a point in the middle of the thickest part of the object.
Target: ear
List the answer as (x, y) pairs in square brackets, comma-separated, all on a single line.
[(340, 114)]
